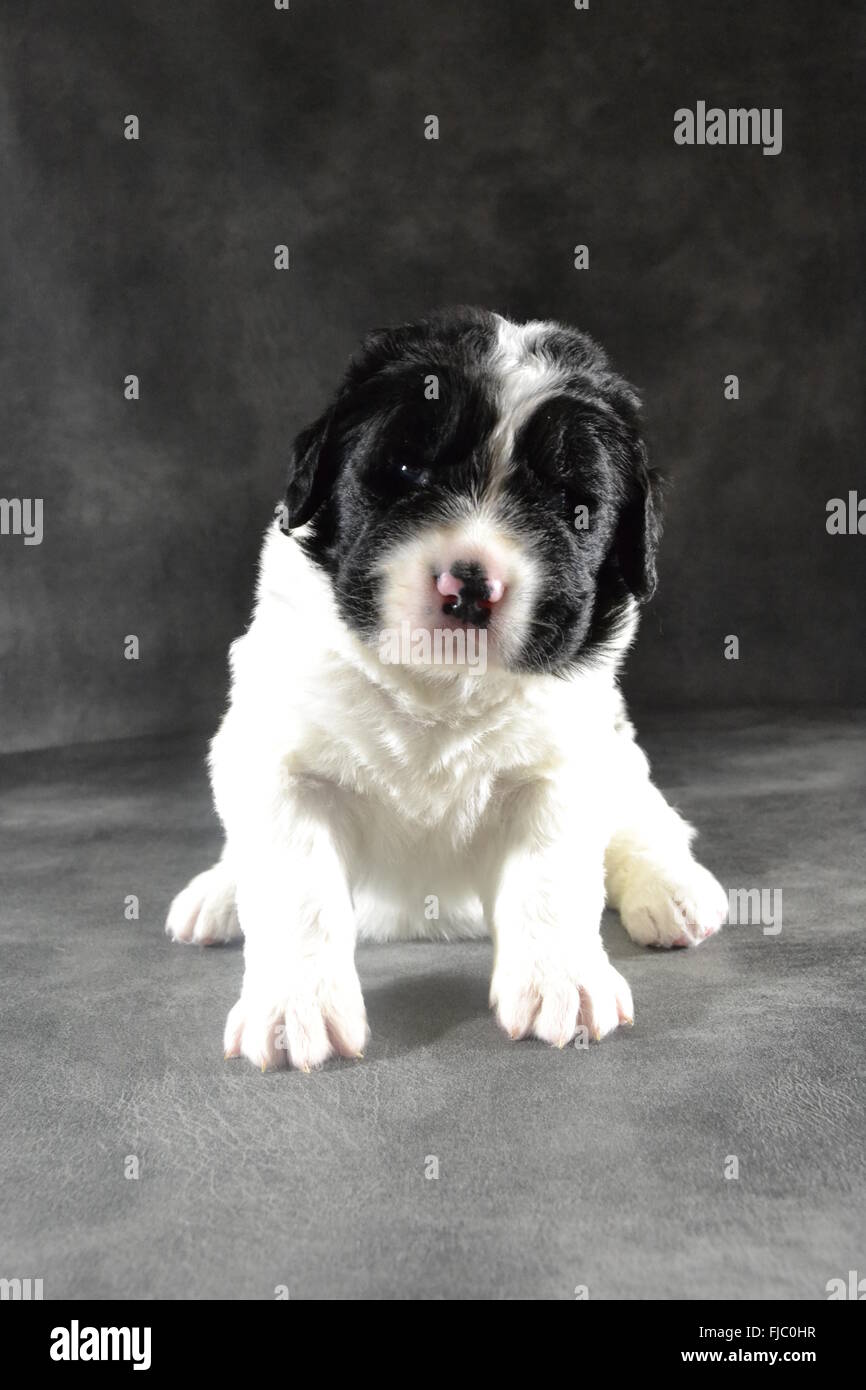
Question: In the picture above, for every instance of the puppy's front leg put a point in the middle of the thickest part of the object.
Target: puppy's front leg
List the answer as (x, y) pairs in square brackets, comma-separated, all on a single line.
[(664, 896), (301, 998), (546, 894)]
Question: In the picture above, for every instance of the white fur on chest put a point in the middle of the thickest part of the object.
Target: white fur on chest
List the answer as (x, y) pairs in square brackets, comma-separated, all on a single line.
[(420, 766)]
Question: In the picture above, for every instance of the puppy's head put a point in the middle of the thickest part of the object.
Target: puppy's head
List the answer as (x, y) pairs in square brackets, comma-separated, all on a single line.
[(476, 476)]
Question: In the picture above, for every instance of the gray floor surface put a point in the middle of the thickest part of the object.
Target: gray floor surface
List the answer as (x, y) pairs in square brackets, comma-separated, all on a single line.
[(602, 1168)]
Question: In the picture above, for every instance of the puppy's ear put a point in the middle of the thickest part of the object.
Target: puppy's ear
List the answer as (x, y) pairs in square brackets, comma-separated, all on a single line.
[(639, 529), (311, 471)]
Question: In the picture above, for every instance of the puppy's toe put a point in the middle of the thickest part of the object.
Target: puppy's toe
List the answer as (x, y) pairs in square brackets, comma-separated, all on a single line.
[(661, 907), (516, 1001), (253, 1031), (556, 1020), (605, 1001)]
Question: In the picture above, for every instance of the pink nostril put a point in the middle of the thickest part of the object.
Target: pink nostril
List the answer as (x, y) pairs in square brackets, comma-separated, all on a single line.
[(447, 584), (450, 586)]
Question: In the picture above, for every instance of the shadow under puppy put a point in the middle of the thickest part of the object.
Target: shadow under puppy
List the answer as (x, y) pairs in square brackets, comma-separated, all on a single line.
[(425, 735)]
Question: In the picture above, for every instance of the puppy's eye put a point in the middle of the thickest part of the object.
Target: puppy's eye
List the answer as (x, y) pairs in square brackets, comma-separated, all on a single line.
[(411, 474), (398, 474)]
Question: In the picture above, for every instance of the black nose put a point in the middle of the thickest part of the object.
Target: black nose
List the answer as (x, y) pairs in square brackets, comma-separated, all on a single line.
[(472, 604)]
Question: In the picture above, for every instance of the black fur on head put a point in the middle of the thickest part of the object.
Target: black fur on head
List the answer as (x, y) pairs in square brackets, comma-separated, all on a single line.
[(464, 410)]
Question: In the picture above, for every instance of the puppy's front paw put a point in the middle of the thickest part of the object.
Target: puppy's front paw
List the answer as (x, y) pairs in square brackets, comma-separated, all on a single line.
[(550, 999), (204, 912), (664, 907), (316, 1017)]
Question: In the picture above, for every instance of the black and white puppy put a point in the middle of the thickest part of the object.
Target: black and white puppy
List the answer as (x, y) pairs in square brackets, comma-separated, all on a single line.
[(425, 735)]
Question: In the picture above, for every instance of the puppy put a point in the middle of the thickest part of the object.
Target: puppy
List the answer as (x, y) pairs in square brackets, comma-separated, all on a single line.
[(425, 735)]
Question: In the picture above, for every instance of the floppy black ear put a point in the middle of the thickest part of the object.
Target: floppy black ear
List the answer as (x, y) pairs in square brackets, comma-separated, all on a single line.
[(639, 529), (311, 472)]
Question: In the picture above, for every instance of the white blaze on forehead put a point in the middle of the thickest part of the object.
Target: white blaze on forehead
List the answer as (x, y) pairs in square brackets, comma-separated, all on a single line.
[(524, 376)]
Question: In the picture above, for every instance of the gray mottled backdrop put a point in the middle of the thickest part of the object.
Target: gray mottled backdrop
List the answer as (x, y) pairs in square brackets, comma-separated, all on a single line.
[(306, 127)]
